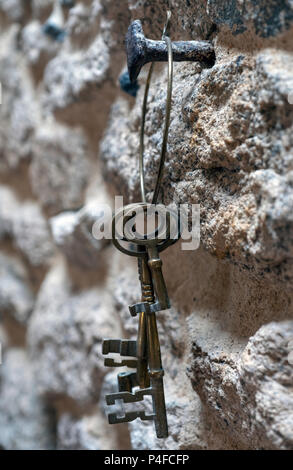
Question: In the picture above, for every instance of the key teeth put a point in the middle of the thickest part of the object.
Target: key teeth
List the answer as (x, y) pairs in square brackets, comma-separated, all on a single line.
[(128, 397), (145, 307), (127, 381), (129, 416), (132, 364), (105, 346), (124, 347)]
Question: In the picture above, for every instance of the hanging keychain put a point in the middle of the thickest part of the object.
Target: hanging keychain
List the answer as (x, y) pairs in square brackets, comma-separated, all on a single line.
[(144, 354)]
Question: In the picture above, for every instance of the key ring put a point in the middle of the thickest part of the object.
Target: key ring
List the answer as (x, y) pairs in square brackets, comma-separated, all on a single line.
[(139, 253), (168, 42)]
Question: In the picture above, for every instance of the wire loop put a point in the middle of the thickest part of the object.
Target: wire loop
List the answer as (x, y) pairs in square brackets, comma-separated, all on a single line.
[(165, 38)]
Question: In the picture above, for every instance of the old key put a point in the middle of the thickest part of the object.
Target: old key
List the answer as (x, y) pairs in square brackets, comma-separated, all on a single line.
[(149, 372)]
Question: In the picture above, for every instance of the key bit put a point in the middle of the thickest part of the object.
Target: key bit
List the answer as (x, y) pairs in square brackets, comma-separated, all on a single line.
[(124, 347), (131, 363), (128, 397), (141, 50), (127, 381), (129, 416)]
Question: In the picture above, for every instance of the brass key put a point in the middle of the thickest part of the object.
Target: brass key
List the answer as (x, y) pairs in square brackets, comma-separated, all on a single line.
[(151, 243), (151, 277), (148, 378), (155, 370), (149, 374)]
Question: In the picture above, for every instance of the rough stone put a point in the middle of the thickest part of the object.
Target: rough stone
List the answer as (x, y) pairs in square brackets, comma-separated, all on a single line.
[(249, 393), (41, 7), (25, 421), (73, 234), (31, 234), (16, 297), (227, 340), (36, 45), (18, 108), (65, 337), (91, 432), (59, 168), (26, 226), (8, 206), (15, 10), (73, 80), (83, 22)]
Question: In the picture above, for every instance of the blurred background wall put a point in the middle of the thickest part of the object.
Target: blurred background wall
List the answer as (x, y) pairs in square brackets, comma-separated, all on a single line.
[(69, 141)]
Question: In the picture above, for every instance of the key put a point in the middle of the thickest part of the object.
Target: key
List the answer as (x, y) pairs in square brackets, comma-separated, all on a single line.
[(156, 371), (148, 378), (149, 374), (151, 246)]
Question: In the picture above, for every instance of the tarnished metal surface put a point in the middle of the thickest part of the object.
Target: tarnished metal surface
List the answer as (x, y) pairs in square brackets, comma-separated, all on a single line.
[(141, 50)]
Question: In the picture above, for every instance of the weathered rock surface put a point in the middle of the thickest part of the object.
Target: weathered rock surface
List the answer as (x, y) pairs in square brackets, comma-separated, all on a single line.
[(250, 393), (37, 46), (66, 133), (25, 421), (8, 206), (25, 225), (65, 337), (16, 297), (59, 168), (31, 234), (14, 9), (18, 109), (73, 234), (91, 432)]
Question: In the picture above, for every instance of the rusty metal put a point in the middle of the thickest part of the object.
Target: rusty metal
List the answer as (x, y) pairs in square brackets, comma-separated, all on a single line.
[(141, 50)]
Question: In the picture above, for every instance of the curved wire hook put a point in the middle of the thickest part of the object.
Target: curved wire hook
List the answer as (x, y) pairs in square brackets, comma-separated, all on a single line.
[(167, 40)]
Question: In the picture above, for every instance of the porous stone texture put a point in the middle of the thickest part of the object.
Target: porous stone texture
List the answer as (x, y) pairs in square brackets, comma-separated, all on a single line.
[(67, 329), (69, 141), (89, 432), (25, 421), (16, 297), (73, 233), (59, 168)]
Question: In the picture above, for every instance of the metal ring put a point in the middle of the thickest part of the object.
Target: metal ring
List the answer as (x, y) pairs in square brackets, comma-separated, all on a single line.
[(141, 250), (167, 118), (146, 238)]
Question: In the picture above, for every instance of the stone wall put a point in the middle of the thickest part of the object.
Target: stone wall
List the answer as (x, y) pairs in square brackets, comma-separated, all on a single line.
[(68, 142)]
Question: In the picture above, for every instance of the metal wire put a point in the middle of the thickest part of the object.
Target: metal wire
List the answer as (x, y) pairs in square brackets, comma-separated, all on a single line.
[(166, 38)]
